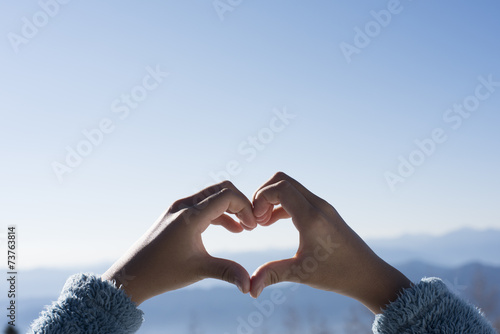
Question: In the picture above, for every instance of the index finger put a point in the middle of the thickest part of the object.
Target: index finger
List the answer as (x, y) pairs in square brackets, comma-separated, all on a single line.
[(226, 200), (280, 176), (291, 199)]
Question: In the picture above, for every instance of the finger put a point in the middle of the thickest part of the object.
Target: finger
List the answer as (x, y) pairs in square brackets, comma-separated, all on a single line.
[(195, 199), (228, 271), (291, 200), (228, 223), (280, 176), (247, 228), (230, 201), (263, 212), (277, 214), (198, 201), (271, 273)]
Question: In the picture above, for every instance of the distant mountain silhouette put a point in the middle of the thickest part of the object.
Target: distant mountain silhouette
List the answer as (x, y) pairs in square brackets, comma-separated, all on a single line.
[(467, 260), (453, 249)]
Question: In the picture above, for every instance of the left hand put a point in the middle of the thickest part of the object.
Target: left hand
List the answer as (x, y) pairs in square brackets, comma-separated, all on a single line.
[(171, 254)]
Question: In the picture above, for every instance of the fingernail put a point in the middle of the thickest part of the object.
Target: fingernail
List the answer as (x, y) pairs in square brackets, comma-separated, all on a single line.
[(260, 214), (238, 284), (246, 228), (259, 291), (261, 218)]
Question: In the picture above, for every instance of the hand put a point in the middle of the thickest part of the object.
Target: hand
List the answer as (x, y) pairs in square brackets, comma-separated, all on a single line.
[(331, 256), (171, 254)]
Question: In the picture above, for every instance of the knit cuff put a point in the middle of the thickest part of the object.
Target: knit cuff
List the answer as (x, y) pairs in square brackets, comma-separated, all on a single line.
[(430, 307), (89, 304)]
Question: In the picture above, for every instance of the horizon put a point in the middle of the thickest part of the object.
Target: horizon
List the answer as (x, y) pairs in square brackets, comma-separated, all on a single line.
[(237, 252)]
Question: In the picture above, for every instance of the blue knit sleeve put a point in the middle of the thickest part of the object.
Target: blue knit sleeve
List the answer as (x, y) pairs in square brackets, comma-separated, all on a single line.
[(430, 307), (89, 305)]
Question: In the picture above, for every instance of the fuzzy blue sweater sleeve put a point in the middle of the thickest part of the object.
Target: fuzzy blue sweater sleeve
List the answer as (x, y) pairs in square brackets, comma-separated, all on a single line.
[(89, 305), (430, 307)]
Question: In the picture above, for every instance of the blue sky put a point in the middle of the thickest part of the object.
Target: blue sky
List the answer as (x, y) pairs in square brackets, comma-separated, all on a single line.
[(226, 81)]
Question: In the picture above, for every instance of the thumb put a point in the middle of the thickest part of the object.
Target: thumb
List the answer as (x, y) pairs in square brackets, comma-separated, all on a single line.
[(271, 273), (228, 271)]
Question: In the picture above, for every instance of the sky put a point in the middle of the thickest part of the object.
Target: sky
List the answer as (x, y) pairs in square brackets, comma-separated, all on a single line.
[(110, 111)]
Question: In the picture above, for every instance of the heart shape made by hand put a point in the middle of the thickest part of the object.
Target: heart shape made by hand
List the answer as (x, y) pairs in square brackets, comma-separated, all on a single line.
[(330, 255), (279, 198)]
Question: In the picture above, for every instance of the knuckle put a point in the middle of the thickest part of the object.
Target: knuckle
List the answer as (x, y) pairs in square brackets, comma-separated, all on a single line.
[(214, 189), (225, 184), (226, 274), (226, 192), (280, 176), (283, 185), (177, 206), (273, 276)]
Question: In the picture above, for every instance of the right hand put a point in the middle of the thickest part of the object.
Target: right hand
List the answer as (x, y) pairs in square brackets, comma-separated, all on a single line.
[(331, 256)]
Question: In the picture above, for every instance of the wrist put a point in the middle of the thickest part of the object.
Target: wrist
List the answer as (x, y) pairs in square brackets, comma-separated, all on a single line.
[(384, 288), (127, 283)]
